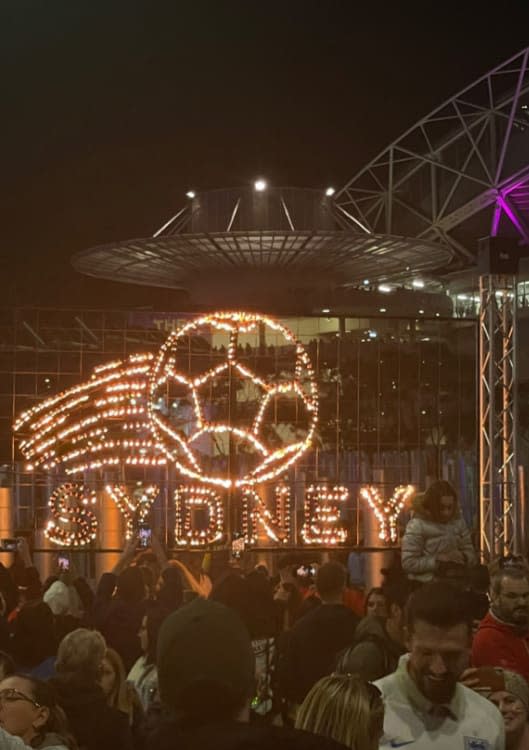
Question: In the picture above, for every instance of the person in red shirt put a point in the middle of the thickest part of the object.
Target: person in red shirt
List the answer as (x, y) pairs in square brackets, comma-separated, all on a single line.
[(502, 639)]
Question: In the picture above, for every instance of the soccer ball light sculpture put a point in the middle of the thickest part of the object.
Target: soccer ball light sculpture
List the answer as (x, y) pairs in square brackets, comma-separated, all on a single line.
[(233, 399)]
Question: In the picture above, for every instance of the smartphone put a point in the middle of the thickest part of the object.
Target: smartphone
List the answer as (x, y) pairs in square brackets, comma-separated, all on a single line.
[(144, 535), (237, 547), (9, 545), (301, 572), (63, 561), (304, 571)]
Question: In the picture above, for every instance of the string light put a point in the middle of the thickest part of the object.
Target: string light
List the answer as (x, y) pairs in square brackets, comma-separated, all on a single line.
[(256, 514), (179, 448), (322, 515), (135, 505), (388, 512), (88, 427), (73, 524), (189, 498)]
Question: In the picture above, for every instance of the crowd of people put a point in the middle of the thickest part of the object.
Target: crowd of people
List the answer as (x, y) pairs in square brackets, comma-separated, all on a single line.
[(166, 656)]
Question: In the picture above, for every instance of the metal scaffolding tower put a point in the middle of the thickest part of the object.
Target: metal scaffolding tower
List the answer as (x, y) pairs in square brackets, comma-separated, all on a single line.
[(498, 466), (460, 173)]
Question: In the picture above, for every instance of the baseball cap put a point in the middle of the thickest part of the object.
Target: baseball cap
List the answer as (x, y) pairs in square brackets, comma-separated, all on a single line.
[(204, 649)]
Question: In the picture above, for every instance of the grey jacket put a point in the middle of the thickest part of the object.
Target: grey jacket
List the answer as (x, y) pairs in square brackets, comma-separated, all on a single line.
[(425, 539)]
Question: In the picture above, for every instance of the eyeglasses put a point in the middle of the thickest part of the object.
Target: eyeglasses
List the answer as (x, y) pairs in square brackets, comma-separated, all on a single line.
[(10, 695)]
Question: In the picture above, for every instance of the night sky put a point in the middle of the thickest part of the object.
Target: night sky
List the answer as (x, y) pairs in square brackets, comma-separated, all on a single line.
[(112, 109)]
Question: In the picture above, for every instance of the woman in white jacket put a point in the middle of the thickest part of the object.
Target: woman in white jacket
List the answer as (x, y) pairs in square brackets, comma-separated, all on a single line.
[(436, 534)]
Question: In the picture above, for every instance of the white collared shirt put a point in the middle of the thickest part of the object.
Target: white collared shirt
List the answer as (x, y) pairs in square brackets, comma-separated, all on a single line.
[(468, 722)]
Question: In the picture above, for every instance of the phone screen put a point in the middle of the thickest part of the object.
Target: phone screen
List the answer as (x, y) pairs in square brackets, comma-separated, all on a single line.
[(9, 545), (237, 547), (306, 570), (63, 561), (144, 535)]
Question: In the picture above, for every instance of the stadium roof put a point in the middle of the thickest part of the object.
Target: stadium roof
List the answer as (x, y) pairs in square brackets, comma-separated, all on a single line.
[(459, 174), (417, 209)]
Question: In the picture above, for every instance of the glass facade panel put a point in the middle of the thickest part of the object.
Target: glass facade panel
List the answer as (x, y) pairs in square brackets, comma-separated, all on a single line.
[(397, 397)]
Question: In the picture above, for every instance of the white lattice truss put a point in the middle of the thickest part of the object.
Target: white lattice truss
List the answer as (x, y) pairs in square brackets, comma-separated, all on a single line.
[(498, 416), (469, 157)]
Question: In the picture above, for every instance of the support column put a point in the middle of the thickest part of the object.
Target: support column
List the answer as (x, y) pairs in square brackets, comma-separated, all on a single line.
[(45, 561), (111, 536), (498, 464), (375, 561), (6, 522)]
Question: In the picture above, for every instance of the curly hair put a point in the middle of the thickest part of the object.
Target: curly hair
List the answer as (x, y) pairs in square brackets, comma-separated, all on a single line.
[(80, 654)]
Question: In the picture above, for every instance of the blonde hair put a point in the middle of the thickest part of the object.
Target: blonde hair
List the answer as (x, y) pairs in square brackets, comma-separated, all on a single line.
[(121, 696), (80, 654), (345, 708)]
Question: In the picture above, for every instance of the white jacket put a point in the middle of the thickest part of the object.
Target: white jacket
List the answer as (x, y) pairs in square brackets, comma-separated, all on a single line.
[(424, 540), (468, 722), (63, 600)]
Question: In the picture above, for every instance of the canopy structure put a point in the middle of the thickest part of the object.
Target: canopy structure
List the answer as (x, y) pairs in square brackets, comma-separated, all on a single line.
[(248, 247)]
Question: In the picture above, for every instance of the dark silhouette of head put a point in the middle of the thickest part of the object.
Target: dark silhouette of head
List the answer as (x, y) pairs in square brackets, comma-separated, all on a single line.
[(330, 581), (130, 587), (34, 638)]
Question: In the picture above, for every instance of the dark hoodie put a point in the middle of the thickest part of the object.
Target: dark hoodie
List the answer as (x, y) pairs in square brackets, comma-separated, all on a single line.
[(374, 654), (310, 648), (119, 618), (234, 735), (94, 725)]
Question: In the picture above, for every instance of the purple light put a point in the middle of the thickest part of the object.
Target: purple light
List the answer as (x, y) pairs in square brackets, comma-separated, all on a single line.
[(496, 217), (503, 206), (512, 216)]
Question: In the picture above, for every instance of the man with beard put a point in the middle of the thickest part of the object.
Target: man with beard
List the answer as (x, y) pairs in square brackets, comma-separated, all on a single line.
[(425, 705), (502, 639)]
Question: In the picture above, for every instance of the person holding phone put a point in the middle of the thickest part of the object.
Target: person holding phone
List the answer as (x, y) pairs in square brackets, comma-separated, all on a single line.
[(122, 621), (62, 597), (316, 639), (436, 539)]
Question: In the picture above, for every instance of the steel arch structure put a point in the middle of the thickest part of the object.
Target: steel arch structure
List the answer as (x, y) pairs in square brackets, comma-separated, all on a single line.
[(460, 171), (459, 174)]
